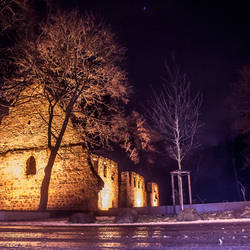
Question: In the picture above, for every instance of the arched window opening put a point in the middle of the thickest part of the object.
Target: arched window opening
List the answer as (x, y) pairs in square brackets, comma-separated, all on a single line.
[(105, 171), (95, 164), (31, 166), (113, 176)]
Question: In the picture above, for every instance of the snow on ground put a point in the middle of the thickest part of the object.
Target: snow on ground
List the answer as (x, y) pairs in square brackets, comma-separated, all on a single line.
[(241, 215), (64, 222)]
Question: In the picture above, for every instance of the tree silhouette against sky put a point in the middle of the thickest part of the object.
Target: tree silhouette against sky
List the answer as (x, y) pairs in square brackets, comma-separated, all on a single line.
[(78, 63)]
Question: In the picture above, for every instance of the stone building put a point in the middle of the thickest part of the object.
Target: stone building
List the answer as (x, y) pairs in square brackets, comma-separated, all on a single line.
[(152, 194), (108, 171), (74, 184), (132, 190)]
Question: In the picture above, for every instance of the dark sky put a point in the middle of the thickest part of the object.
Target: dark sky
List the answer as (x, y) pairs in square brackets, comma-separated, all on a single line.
[(211, 42), (209, 38)]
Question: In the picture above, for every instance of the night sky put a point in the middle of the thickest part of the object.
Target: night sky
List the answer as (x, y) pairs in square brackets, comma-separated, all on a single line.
[(211, 41)]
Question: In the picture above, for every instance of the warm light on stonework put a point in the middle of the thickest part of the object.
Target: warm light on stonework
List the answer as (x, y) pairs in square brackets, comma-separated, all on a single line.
[(133, 193), (108, 196), (138, 201), (14, 169), (139, 198), (105, 197), (153, 192), (24, 155), (155, 203)]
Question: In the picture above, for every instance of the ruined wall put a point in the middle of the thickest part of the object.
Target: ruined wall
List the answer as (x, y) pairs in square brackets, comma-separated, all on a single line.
[(132, 190), (73, 185), (153, 194), (24, 154), (26, 125), (108, 171)]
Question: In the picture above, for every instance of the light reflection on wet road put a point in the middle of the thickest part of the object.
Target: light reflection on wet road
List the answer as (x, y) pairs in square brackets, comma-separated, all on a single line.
[(199, 236)]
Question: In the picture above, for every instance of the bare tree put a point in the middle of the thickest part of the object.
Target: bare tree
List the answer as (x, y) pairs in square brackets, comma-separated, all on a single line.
[(175, 113), (77, 62)]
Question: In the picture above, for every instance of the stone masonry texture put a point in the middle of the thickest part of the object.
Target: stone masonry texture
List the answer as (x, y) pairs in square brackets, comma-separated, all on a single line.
[(132, 190), (108, 171), (153, 194), (24, 154)]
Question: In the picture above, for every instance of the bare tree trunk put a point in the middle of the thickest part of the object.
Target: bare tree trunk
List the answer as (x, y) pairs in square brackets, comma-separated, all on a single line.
[(179, 165), (94, 171), (46, 181), (48, 169), (177, 141)]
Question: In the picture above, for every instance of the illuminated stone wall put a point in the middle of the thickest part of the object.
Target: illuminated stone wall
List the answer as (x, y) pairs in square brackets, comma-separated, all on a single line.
[(132, 190), (108, 171), (73, 185), (23, 156), (153, 194), (25, 127)]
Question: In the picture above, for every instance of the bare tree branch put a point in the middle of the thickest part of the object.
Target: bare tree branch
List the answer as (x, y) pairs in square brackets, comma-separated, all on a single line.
[(76, 64), (175, 113)]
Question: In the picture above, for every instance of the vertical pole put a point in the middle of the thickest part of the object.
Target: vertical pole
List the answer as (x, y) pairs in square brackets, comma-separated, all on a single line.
[(180, 190), (189, 190), (173, 194)]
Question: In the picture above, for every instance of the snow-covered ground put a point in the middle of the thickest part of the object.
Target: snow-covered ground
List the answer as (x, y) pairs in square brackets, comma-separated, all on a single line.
[(241, 215), (64, 222)]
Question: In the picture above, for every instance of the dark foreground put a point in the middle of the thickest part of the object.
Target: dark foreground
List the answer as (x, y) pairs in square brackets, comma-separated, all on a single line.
[(184, 236)]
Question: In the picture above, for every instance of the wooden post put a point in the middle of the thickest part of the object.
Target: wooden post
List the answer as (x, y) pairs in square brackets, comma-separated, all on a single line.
[(180, 190), (173, 193), (180, 174), (189, 190)]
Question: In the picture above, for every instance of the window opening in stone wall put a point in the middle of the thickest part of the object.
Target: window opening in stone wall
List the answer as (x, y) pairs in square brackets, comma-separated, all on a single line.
[(138, 184), (113, 176), (95, 164), (105, 171), (31, 166), (134, 182), (155, 198)]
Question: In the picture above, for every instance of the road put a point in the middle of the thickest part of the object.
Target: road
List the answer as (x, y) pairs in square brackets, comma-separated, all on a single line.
[(184, 236)]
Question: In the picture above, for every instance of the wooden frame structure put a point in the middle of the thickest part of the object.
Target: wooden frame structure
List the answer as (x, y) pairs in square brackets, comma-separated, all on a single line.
[(180, 174)]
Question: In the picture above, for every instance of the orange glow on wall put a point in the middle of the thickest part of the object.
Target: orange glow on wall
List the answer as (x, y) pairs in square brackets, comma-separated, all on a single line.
[(133, 193), (105, 197), (14, 170), (155, 203), (24, 155), (153, 194), (108, 171), (138, 200)]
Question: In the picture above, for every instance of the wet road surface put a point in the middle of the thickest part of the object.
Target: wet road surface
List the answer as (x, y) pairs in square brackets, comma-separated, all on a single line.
[(181, 236)]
